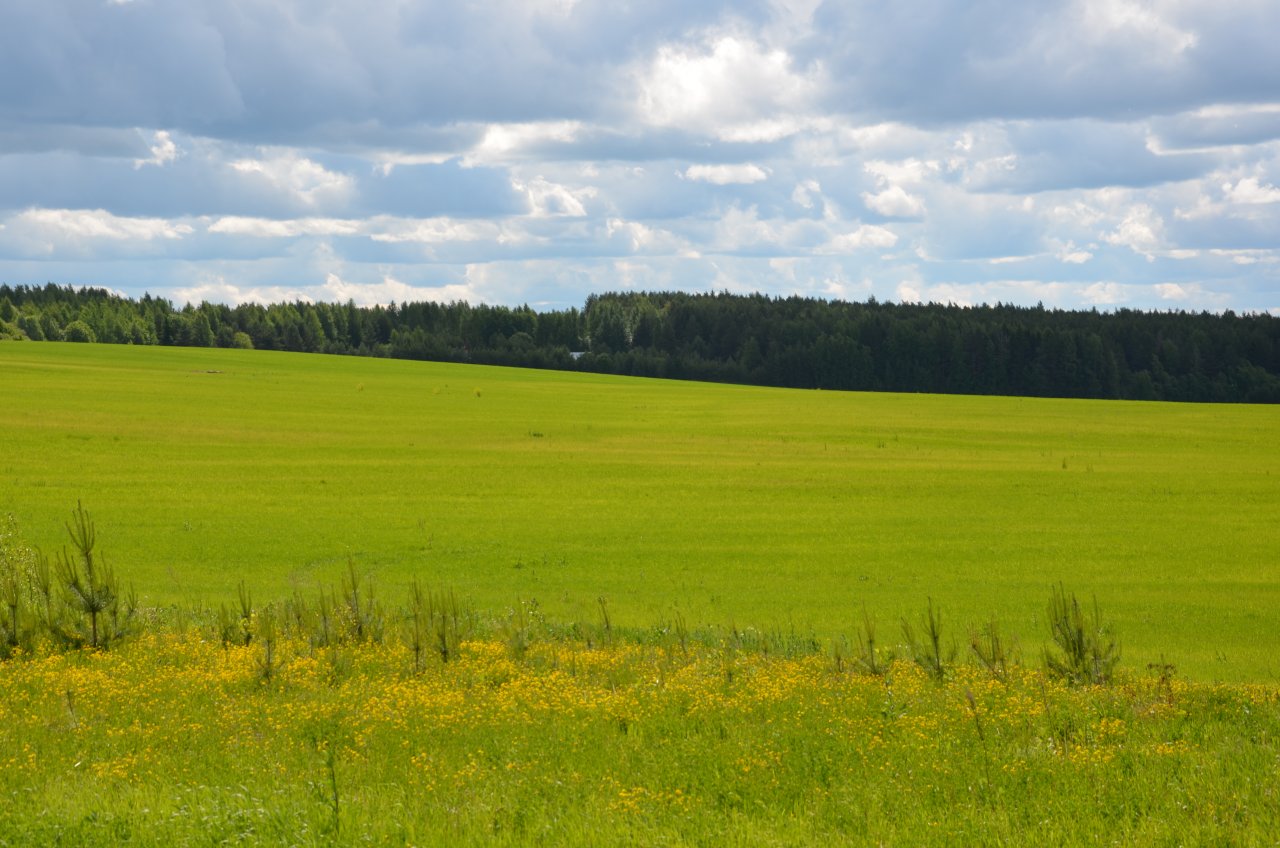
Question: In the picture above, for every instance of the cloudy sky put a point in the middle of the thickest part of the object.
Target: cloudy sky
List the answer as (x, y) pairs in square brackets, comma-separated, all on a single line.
[(1079, 153)]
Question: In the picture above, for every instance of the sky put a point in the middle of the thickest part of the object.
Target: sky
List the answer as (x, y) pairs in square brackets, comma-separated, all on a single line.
[(1076, 153)]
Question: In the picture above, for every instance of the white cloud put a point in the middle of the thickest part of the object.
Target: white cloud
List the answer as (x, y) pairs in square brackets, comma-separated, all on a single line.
[(385, 162), (1265, 256), (641, 238), (551, 200), (383, 229), (510, 141), (99, 224), (1140, 231), (1105, 294), (390, 289), (638, 275), (1050, 292), (894, 202), (991, 169), (729, 86), (804, 192), (1191, 296), (1140, 22), (1068, 252), (268, 228), (435, 231), (765, 130), (1244, 199), (738, 228), (299, 177), (334, 289), (1172, 291), (163, 151), (839, 288), (726, 174), (216, 289), (904, 172), (744, 229), (1249, 190), (1078, 213), (960, 295), (867, 235)]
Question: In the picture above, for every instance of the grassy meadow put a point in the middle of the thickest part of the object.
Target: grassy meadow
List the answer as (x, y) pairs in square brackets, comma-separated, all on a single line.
[(720, 505), (400, 603), (175, 740)]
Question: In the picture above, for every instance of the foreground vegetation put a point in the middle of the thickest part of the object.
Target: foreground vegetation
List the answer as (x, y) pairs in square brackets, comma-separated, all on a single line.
[(725, 505), (333, 716), (340, 719), (177, 737)]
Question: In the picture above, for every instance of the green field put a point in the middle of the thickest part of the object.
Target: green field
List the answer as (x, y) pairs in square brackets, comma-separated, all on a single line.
[(722, 504), (175, 740)]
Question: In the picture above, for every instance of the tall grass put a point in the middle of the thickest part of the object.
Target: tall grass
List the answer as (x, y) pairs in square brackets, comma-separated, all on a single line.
[(1086, 652)]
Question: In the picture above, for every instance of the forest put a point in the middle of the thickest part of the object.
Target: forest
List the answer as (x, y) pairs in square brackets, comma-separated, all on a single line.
[(754, 339)]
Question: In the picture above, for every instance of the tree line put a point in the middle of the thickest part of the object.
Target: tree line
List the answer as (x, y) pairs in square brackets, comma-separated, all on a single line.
[(756, 339)]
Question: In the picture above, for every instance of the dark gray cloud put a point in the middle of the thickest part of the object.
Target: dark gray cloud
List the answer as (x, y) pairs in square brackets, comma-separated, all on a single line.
[(1087, 153), (268, 71), (1223, 126), (115, 65), (429, 190), (646, 144), (945, 61), (16, 138)]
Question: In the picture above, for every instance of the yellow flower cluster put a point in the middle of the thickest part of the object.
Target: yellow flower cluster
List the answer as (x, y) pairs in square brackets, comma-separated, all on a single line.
[(178, 707)]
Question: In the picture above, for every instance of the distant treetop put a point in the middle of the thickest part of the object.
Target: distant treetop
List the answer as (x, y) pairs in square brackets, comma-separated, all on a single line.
[(794, 342)]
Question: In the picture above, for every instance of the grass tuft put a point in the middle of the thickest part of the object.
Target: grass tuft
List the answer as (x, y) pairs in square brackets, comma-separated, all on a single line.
[(1086, 652)]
